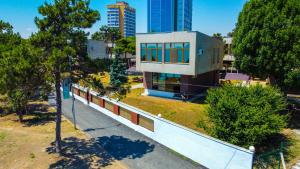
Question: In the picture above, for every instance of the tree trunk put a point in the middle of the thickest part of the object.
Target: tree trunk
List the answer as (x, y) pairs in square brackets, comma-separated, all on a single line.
[(271, 80), (58, 110), (20, 115), (126, 60)]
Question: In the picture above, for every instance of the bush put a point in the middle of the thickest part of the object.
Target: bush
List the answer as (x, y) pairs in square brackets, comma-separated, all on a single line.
[(245, 116)]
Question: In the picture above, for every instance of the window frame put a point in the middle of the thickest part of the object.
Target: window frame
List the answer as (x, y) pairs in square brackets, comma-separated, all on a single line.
[(149, 56), (162, 50), (175, 51)]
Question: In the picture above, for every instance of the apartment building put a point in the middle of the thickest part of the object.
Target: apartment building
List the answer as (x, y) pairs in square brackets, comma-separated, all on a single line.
[(123, 17)]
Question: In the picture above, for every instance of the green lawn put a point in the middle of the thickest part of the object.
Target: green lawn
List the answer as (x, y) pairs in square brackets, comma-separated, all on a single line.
[(184, 113)]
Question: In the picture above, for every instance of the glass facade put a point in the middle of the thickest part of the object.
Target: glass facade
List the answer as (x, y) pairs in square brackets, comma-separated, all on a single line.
[(183, 15), (173, 52), (169, 15), (129, 22), (166, 82)]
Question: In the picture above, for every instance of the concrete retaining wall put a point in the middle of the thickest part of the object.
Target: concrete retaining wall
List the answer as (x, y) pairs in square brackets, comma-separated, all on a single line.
[(205, 150)]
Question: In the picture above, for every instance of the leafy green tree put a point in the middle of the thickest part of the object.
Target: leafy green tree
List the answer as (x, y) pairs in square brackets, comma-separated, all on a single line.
[(8, 39), (57, 24), (266, 40), (230, 34), (122, 46), (218, 36), (118, 76), (21, 76), (21, 72), (108, 35), (131, 45), (245, 116), (125, 46)]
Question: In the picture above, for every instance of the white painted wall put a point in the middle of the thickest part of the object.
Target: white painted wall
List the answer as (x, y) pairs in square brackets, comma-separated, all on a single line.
[(97, 49), (205, 150)]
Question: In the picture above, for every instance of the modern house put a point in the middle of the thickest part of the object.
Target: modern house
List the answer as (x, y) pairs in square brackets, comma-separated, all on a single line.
[(169, 15), (122, 16), (178, 63)]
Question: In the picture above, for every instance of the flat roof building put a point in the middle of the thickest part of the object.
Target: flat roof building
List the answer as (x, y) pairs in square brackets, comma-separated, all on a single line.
[(123, 17), (175, 63)]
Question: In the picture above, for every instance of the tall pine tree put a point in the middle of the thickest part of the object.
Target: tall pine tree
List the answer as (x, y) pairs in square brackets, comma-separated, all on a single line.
[(60, 21), (118, 76)]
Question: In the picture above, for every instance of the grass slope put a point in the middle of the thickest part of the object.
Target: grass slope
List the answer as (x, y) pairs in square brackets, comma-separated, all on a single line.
[(184, 113)]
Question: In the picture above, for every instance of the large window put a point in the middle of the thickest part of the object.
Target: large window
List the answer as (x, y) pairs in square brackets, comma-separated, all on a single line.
[(151, 52), (166, 82), (173, 52), (177, 52)]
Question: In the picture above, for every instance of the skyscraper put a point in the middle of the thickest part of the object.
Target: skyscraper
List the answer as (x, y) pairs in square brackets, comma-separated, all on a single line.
[(169, 15), (122, 16)]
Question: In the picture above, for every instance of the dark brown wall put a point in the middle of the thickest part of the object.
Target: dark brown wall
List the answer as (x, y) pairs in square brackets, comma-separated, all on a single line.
[(147, 80), (196, 84)]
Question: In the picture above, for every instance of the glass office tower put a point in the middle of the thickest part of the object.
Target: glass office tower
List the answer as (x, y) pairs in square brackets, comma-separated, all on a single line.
[(169, 15)]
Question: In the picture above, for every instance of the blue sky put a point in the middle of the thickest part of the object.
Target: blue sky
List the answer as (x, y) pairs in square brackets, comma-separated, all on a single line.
[(209, 16)]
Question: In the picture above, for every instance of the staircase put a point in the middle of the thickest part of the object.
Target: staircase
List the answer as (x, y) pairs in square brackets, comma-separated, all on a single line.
[(297, 166)]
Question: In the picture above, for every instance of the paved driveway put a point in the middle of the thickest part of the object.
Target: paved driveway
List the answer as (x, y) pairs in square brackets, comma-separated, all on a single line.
[(123, 143)]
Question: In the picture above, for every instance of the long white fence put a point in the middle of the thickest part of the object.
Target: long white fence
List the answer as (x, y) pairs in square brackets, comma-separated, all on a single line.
[(205, 150)]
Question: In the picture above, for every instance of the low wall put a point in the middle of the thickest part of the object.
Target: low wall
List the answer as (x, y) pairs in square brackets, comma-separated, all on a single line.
[(205, 150)]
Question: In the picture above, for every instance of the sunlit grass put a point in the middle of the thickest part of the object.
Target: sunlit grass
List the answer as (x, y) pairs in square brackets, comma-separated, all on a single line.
[(184, 113), (104, 78), (293, 151)]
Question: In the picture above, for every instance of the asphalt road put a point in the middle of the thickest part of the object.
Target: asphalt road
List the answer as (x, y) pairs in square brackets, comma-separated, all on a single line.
[(124, 144)]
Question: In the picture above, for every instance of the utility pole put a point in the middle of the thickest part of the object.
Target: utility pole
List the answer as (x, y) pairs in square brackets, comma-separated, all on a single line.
[(73, 108), (73, 97)]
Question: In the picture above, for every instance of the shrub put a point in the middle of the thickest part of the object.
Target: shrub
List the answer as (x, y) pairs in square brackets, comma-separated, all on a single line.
[(245, 116)]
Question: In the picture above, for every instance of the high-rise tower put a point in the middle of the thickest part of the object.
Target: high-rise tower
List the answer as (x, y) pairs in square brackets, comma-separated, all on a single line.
[(169, 15), (122, 16)]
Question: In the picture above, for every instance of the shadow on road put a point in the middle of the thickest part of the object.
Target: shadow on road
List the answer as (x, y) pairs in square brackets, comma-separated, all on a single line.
[(101, 128), (100, 152)]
